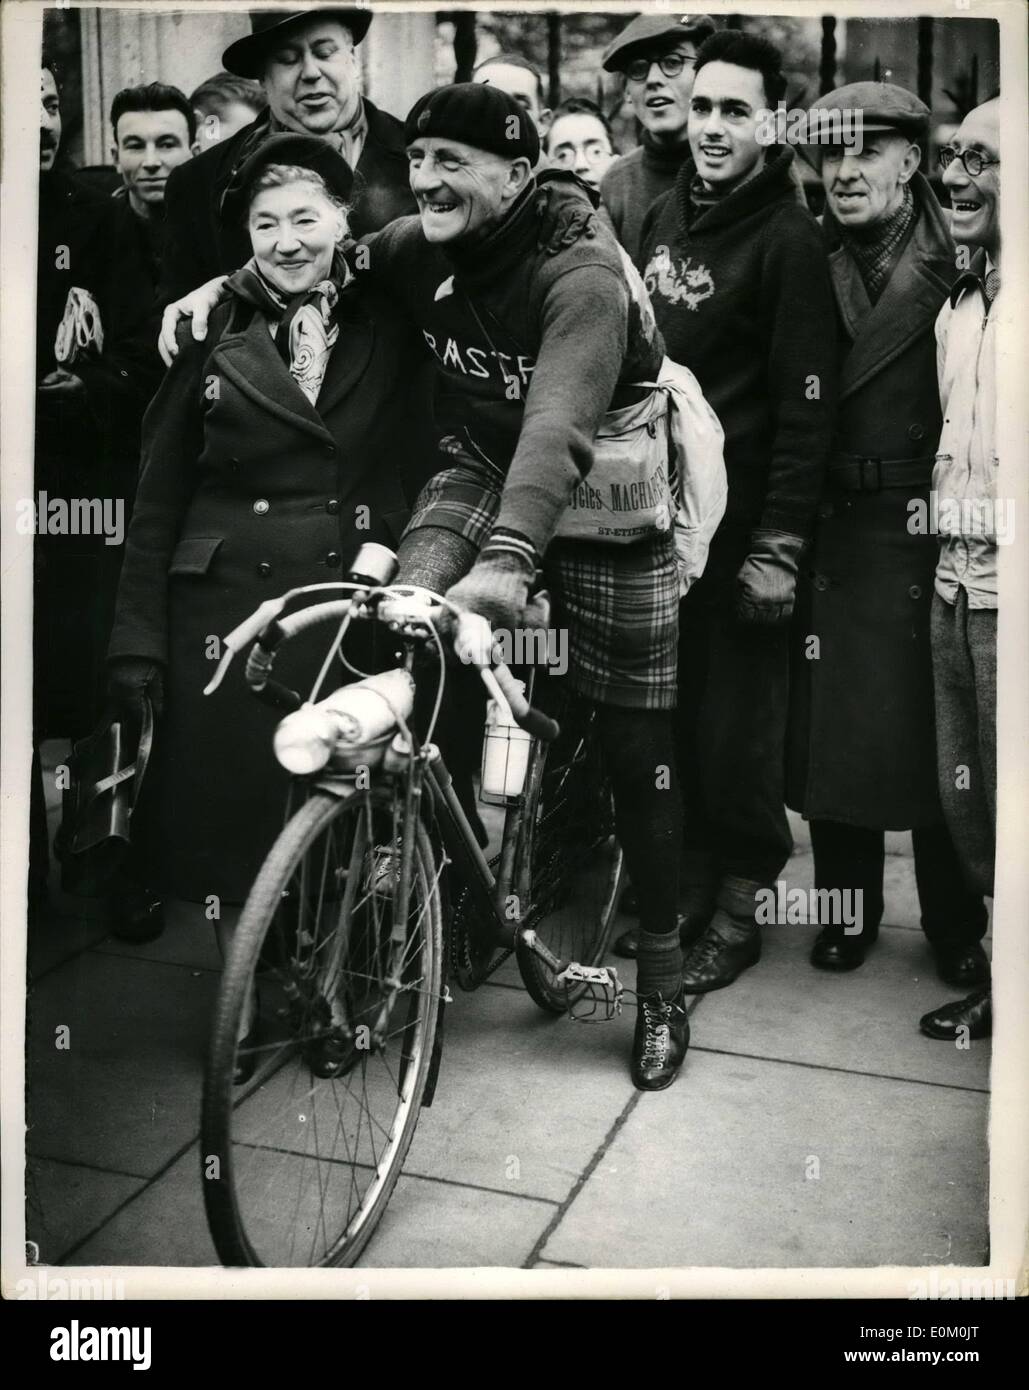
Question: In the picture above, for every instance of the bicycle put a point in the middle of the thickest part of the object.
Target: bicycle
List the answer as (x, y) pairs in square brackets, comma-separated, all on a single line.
[(344, 931)]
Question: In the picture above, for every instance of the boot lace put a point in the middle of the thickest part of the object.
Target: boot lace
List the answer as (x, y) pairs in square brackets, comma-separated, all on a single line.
[(657, 1017)]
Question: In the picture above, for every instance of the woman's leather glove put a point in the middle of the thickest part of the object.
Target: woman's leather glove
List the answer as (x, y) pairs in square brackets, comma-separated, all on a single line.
[(766, 583), (127, 678)]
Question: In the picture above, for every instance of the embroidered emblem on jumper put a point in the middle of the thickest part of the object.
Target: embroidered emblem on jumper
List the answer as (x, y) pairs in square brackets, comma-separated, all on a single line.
[(684, 283)]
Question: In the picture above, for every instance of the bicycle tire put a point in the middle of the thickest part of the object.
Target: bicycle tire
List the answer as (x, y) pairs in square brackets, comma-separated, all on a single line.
[(576, 864), (262, 1140)]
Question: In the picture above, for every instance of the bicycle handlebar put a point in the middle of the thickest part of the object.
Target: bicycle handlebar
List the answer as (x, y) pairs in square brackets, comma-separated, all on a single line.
[(405, 609)]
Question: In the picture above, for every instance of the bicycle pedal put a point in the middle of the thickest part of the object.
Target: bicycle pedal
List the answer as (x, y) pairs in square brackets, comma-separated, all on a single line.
[(384, 872), (604, 977)]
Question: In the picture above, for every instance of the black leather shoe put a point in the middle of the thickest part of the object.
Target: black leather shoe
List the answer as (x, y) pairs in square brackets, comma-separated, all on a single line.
[(136, 914), (714, 962), (974, 1013), (834, 950), (659, 1042), (966, 965), (691, 929)]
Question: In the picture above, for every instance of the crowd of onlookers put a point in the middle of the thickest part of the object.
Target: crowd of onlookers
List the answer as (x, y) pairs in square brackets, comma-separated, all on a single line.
[(833, 657)]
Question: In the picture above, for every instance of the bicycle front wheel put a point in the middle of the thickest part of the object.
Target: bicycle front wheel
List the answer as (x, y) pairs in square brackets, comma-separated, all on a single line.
[(298, 1166), (576, 861)]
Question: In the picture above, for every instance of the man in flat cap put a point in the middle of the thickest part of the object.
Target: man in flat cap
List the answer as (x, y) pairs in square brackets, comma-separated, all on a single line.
[(862, 746), (306, 62), (655, 54)]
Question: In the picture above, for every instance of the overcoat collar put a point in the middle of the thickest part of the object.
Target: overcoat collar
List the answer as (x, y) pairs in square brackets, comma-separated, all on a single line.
[(910, 301), (249, 358)]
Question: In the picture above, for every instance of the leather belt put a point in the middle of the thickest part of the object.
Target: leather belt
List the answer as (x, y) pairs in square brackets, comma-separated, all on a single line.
[(855, 474)]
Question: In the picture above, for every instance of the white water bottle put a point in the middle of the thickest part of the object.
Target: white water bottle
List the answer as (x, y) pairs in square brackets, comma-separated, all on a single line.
[(505, 753)]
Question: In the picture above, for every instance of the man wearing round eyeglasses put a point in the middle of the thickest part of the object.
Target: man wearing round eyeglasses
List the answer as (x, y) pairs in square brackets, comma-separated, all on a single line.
[(579, 139), (862, 748), (963, 624), (655, 53)]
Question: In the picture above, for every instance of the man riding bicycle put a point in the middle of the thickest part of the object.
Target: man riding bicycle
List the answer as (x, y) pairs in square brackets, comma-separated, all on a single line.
[(534, 343)]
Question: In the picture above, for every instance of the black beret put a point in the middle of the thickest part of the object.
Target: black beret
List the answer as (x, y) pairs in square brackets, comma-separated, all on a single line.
[(246, 56), (307, 151), (476, 114)]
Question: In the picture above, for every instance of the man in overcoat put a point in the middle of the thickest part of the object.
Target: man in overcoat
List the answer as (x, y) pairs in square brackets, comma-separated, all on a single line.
[(306, 63), (862, 744)]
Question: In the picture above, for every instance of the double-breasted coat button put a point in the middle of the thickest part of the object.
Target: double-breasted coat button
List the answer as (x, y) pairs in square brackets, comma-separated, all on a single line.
[(330, 449), (332, 506), (915, 591), (821, 583), (916, 432), (261, 506), (264, 569), (333, 559)]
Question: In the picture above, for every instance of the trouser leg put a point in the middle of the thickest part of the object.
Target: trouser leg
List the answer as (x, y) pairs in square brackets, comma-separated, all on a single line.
[(851, 858), (953, 914), (966, 734)]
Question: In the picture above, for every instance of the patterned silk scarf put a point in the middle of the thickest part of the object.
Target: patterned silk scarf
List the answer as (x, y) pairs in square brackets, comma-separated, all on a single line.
[(307, 330), (875, 251)]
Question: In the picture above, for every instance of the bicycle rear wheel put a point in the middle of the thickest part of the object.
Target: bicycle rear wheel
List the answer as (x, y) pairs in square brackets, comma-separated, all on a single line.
[(298, 1166), (576, 862)]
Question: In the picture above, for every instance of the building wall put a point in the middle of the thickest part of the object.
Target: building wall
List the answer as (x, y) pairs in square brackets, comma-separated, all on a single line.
[(123, 47)]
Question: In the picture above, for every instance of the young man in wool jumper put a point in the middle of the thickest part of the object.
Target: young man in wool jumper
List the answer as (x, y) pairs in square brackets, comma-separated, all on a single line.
[(739, 283), (655, 53)]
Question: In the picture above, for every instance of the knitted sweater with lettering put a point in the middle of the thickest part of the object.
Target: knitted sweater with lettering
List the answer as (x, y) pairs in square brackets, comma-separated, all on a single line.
[(531, 350), (741, 292)]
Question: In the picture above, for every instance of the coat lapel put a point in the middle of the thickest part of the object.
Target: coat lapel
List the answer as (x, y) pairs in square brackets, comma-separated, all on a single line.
[(907, 306), (251, 360), (349, 358)]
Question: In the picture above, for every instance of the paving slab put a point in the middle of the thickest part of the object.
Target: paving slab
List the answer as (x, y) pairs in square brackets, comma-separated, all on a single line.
[(524, 1099), (864, 1020), (427, 1224), (125, 1094), (747, 1163), (61, 932), (64, 1202)]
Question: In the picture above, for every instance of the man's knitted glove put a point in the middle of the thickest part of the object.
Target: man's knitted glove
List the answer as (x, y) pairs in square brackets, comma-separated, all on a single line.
[(567, 208), (127, 678), (767, 580), (496, 587)]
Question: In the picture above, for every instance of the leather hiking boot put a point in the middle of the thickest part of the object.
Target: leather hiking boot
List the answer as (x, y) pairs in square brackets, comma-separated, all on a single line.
[(660, 1040), (974, 1013), (834, 950)]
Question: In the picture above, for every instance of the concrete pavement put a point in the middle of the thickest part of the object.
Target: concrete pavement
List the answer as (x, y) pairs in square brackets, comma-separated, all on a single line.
[(813, 1125)]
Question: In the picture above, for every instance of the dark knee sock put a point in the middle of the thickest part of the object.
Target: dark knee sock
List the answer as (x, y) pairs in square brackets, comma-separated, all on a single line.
[(639, 755)]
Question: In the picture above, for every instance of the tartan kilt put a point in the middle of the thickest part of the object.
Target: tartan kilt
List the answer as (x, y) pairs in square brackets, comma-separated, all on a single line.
[(619, 603)]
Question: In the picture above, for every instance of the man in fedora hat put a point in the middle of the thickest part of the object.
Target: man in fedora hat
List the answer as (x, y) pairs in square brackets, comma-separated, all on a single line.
[(862, 746), (306, 63)]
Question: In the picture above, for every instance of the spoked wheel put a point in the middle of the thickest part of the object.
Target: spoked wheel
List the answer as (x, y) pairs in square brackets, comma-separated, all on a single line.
[(298, 1164), (576, 862)]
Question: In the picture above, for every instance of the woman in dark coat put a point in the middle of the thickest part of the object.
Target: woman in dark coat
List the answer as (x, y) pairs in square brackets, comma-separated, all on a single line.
[(267, 461)]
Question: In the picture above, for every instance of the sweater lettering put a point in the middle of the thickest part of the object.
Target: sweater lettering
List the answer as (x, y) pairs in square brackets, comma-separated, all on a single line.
[(457, 356)]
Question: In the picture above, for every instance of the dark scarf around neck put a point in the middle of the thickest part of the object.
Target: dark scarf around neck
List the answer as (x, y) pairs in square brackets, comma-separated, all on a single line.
[(875, 249), (482, 259)]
